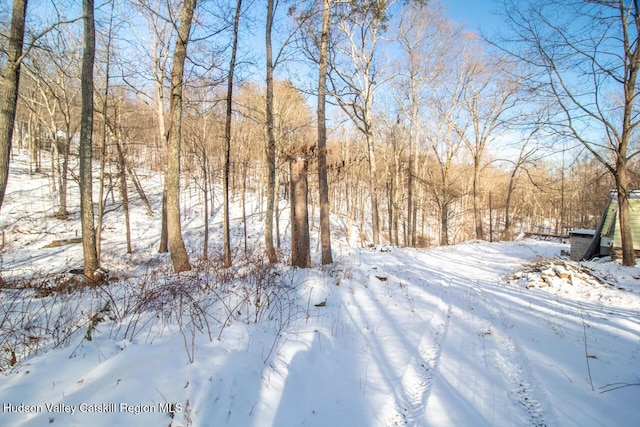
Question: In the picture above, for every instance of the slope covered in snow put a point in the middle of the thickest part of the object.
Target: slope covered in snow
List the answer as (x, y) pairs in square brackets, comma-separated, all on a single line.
[(480, 334), (406, 337)]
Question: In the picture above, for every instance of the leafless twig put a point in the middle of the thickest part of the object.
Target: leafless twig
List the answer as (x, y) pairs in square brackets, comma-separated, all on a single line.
[(586, 351), (615, 386)]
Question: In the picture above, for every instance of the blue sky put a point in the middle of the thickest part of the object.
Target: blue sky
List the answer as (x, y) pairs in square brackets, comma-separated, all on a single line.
[(478, 15)]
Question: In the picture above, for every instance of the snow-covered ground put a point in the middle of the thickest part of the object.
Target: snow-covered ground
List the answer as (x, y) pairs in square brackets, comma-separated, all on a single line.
[(477, 334)]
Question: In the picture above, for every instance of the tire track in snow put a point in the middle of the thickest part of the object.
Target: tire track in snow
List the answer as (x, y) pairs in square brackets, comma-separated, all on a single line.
[(410, 397), (523, 394)]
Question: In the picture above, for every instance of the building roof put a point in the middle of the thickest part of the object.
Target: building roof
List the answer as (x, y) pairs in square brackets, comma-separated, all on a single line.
[(633, 195), (583, 232)]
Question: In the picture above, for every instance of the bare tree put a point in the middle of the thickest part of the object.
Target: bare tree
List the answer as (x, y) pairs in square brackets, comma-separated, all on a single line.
[(10, 79), (55, 73), (274, 57), (425, 37), (162, 35), (444, 178), (444, 136), (203, 126), (9, 89), (585, 55), (122, 171), (356, 75), (271, 140), (103, 142), (489, 95), (227, 138), (86, 142), (28, 95), (120, 132), (179, 257), (530, 151), (323, 185), (159, 16)]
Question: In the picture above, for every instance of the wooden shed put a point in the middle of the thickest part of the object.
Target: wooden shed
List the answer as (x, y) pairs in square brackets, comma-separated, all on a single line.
[(580, 241), (606, 239)]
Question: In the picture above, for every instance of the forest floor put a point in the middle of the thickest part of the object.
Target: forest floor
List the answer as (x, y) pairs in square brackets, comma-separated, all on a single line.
[(482, 334)]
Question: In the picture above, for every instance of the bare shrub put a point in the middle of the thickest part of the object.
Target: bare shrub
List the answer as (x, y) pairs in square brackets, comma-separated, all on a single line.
[(44, 313)]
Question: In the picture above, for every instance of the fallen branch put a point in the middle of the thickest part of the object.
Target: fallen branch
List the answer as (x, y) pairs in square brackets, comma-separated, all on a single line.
[(616, 386), (63, 242)]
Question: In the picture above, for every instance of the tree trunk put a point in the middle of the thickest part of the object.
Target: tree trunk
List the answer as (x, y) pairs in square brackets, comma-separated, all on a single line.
[(244, 209), (490, 217), (390, 207), (103, 162), (271, 143), (62, 150), (410, 238), (477, 214), (622, 185), (632, 68), (397, 193), (9, 90), (205, 193), (444, 206), (122, 171), (141, 193), (507, 205), (227, 137), (323, 185), (444, 224), (103, 142), (162, 131), (300, 246), (276, 212), (410, 235), (85, 149), (373, 191), (179, 257), (34, 158), (53, 169), (164, 235), (163, 138)]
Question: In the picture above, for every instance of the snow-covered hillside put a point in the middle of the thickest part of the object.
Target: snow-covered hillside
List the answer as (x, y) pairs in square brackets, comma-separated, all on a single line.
[(477, 334)]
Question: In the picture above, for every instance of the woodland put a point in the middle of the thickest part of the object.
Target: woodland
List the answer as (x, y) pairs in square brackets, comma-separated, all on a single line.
[(412, 129)]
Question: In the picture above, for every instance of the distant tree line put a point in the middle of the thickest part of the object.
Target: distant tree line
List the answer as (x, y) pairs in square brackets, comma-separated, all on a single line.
[(413, 131)]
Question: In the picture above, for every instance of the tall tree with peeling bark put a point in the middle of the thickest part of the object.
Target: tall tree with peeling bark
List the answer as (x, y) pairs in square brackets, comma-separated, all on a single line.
[(9, 90), (86, 142), (179, 256)]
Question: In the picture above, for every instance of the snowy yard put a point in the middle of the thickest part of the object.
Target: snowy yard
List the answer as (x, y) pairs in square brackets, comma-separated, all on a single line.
[(477, 334)]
